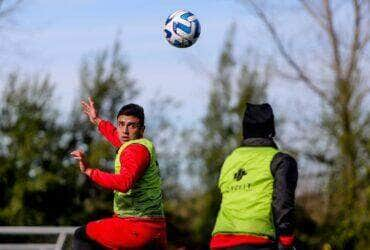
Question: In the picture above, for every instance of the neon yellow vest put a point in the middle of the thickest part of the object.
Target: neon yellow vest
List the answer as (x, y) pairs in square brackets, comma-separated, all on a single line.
[(246, 185), (144, 199)]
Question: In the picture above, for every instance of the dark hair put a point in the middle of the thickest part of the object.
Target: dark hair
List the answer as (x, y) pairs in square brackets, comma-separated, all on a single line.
[(133, 110)]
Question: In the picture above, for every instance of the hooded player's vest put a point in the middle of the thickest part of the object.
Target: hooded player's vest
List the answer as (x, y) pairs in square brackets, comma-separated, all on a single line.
[(246, 184), (144, 199)]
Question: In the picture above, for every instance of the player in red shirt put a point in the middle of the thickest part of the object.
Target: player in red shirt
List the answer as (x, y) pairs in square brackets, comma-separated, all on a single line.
[(138, 222)]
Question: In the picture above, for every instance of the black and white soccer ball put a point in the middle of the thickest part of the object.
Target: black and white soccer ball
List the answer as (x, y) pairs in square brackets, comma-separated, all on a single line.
[(182, 29)]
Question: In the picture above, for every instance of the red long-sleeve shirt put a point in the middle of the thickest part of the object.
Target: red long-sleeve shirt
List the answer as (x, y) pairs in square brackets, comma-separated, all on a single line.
[(134, 161), (115, 232)]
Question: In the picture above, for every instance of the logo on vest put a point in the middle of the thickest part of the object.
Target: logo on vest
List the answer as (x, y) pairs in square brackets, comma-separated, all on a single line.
[(239, 175)]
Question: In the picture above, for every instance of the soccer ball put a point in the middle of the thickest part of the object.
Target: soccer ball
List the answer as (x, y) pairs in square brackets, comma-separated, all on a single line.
[(182, 29)]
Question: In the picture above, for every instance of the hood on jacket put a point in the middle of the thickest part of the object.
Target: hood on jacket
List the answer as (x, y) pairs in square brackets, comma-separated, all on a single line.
[(258, 121)]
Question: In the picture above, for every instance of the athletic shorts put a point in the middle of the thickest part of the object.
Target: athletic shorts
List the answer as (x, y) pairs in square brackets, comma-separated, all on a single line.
[(128, 233)]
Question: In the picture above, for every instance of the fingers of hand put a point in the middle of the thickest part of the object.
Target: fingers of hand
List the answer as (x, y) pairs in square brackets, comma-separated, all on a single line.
[(77, 151), (77, 154), (91, 101), (88, 113), (77, 157), (74, 153), (85, 106)]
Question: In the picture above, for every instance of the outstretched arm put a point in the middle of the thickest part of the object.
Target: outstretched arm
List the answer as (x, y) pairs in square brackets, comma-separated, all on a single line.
[(106, 128)]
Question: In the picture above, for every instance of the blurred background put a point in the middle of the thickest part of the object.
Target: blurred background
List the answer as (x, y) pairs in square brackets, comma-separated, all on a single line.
[(308, 59)]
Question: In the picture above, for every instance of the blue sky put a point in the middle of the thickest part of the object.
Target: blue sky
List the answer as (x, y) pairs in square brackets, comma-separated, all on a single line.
[(51, 37)]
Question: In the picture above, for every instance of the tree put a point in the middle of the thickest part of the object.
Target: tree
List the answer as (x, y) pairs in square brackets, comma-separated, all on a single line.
[(337, 76), (32, 152)]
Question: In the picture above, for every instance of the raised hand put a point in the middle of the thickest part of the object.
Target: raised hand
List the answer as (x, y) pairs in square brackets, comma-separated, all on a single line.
[(90, 110), (79, 155)]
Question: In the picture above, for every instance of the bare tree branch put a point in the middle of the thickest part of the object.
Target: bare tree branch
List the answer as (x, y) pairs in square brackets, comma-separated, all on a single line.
[(355, 48), (333, 37), (200, 67), (364, 41), (314, 14), (341, 141), (320, 157), (9, 9), (300, 73), (361, 96)]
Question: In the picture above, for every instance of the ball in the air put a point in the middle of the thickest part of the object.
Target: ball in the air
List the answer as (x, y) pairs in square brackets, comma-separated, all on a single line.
[(182, 29)]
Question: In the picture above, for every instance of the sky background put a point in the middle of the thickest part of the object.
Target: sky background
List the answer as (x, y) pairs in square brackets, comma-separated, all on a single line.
[(52, 37)]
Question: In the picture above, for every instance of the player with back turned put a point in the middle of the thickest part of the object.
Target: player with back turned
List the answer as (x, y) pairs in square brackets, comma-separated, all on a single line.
[(257, 183)]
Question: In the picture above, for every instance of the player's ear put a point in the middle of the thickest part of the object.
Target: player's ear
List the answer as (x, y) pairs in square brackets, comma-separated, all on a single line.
[(142, 129)]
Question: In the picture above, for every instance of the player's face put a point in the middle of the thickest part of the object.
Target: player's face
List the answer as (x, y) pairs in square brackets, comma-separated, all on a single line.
[(129, 128)]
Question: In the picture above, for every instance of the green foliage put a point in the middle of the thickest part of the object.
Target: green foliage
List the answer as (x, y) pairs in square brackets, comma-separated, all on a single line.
[(39, 183), (32, 173)]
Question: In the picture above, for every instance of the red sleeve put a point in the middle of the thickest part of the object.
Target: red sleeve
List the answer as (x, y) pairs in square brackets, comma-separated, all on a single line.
[(286, 240), (109, 131), (134, 161)]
